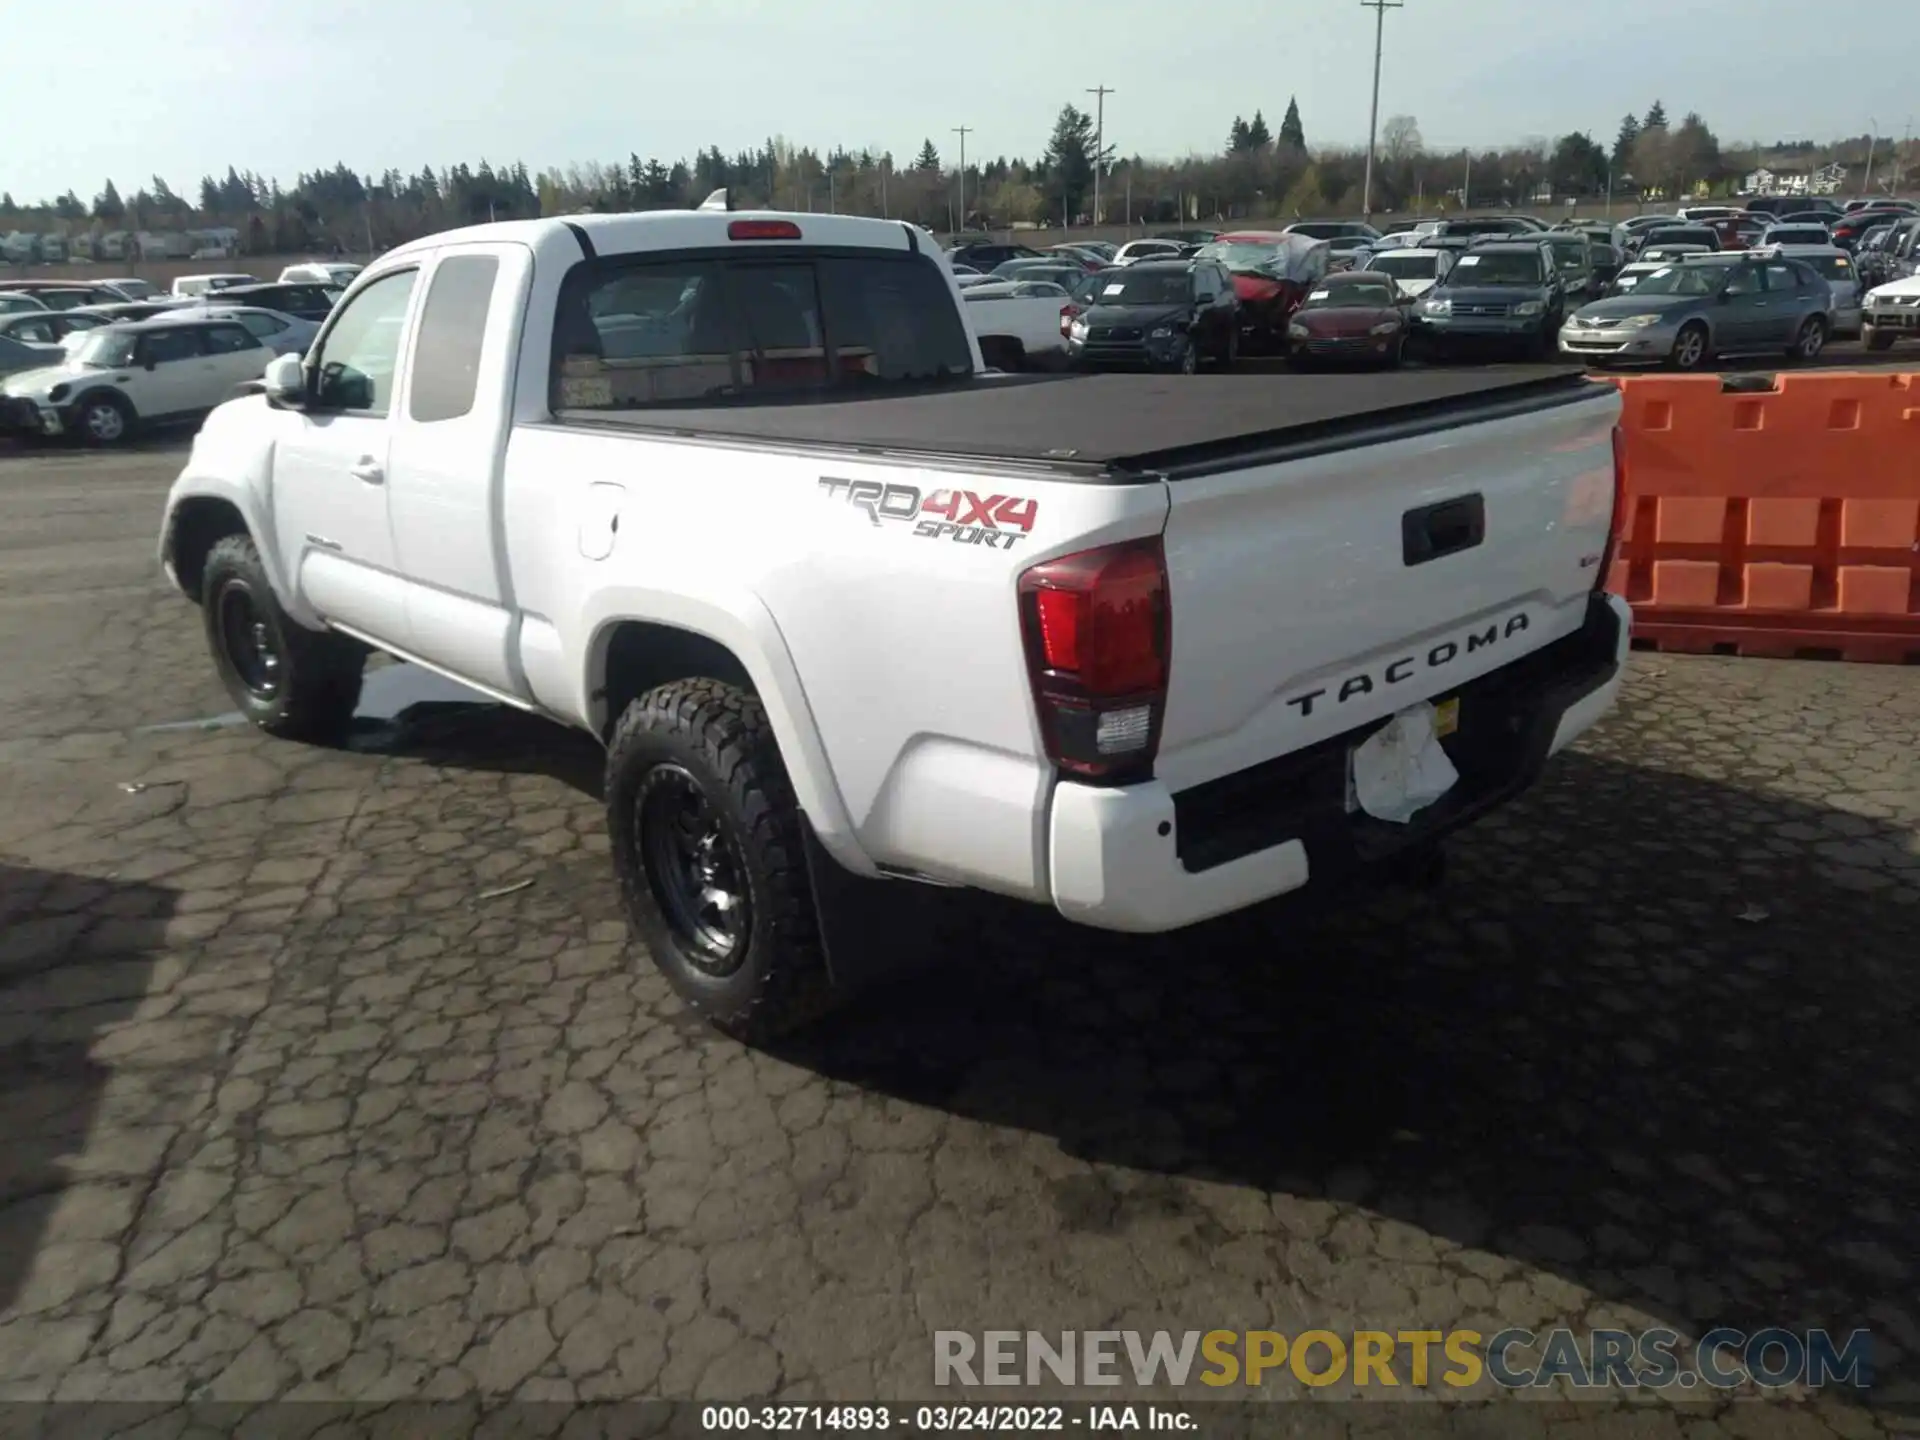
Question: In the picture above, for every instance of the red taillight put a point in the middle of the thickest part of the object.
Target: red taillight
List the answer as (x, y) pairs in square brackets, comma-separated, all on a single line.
[(1617, 527), (1067, 312), (762, 230), (1098, 631)]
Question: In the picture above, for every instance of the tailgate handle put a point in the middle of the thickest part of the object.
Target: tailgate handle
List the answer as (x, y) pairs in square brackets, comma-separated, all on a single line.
[(1443, 529)]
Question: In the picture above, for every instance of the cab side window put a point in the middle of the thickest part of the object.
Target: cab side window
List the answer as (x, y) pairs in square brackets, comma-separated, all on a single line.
[(165, 347), (359, 357), (1782, 277), (446, 357), (1745, 280)]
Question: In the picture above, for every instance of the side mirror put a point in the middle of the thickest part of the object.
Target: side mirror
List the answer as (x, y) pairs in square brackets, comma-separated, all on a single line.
[(286, 380)]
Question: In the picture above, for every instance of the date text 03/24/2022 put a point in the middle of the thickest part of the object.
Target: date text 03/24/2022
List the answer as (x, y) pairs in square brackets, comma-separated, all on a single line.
[(940, 1419)]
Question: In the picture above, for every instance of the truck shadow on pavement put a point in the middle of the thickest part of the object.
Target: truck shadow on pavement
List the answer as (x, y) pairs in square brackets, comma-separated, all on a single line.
[(1646, 1039), (76, 960)]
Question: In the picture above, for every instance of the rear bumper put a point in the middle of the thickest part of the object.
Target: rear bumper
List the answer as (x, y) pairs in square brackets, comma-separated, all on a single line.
[(1141, 858)]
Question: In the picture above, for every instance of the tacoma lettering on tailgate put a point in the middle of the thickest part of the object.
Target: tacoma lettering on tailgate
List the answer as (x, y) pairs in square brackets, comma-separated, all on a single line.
[(1367, 682), (965, 516)]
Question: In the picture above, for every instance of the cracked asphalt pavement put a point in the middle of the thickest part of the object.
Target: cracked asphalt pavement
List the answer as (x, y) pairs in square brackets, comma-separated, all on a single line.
[(333, 1074)]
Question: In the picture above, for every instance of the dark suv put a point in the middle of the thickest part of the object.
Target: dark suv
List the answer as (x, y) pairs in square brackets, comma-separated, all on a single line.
[(1499, 293), (300, 299), (1159, 315)]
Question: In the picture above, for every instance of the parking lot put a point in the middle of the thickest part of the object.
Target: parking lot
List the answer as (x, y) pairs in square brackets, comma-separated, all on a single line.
[(332, 1073)]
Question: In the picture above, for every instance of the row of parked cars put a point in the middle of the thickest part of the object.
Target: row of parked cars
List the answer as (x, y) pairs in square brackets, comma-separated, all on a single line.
[(99, 359), (1461, 285)]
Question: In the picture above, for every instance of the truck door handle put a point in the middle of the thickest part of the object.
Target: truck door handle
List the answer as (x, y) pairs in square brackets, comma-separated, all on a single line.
[(368, 469), (1445, 528)]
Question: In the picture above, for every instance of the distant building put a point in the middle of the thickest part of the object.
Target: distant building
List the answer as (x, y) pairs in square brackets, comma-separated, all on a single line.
[(163, 245), (1827, 180), (114, 245)]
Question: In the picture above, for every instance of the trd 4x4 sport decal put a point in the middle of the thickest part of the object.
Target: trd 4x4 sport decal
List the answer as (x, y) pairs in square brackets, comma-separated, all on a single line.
[(964, 517)]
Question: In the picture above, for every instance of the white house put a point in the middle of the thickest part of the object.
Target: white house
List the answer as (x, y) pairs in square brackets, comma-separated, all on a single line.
[(163, 245), (1827, 180), (1760, 182)]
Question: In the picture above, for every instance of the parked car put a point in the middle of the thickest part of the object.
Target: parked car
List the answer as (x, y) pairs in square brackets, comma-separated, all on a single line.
[(190, 287), (47, 327), (15, 304), (1356, 317), (282, 334), (1477, 225), (1159, 315), (1848, 229), (1132, 595), (1078, 255), (1415, 269), (984, 255), (1891, 312), (1789, 233), (1702, 213), (1632, 273), (336, 274), (17, 356), (308, 301), (1134, 250), (1334, 230), (1189, 237), (1572, 255), (1836, 267), (1737, 232), (1667, 254), (1271, 274), (1672, 233), (125, 310), (130, 288), (1685, 314), (71, 297), (1059, 272), (1787, 206), (1018, 323), (1501, 294), (124, 376)]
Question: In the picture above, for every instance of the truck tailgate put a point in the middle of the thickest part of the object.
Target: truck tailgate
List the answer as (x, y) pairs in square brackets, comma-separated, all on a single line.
[(1317, 594)]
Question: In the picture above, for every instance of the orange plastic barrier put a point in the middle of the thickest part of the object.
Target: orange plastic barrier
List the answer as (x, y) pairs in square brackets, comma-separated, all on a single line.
[(1779, 522)]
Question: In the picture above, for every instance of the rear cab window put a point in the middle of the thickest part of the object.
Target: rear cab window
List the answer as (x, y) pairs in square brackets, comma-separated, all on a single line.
[(644, 330)]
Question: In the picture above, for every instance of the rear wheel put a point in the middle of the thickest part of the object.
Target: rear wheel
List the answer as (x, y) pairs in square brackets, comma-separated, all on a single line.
[(1811, 340), (1689, 348), (290, 681), (707, 845)]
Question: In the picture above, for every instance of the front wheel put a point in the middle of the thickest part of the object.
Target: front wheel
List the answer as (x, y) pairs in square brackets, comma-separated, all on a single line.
[(1876, 339), (1811, 340), (1231, 356), (290, 681), (104, 419), (1190, 358), (1689, 348), (707, 845)]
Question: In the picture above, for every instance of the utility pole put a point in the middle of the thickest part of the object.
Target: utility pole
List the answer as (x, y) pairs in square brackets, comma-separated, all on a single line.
[(963, 131), (1872, 135), (1379, 8), (1099, 93)]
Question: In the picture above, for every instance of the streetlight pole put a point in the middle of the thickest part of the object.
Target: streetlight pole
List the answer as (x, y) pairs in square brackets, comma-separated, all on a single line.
[(1099, 93), (962, 131), (1379, 8)]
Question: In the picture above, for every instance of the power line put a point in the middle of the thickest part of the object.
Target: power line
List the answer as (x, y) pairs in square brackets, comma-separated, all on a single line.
[(1379, 8), (963, 131), (1100, 93)]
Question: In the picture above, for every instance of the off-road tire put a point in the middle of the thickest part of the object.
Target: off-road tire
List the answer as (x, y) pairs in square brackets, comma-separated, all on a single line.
[(719, 735), (320, 672)]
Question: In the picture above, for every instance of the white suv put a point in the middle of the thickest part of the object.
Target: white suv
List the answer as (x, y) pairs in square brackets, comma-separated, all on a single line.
[(121, 376)]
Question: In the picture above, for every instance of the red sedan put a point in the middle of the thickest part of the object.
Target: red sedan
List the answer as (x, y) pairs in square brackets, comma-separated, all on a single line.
[(1356, 317)]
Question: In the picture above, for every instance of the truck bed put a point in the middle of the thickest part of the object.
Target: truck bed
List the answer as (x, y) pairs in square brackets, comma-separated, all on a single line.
[(1123, 427)]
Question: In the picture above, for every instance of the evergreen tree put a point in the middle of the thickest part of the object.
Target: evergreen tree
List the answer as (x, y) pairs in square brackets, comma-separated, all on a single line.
[(107, 205), (1623, 142), (1258, 136), (1656, 118), (929, 158), (1069, 158), (1237, 136), (1290, 132)]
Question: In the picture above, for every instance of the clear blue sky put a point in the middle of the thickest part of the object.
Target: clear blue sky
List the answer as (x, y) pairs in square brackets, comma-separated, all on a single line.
[(279, 86)]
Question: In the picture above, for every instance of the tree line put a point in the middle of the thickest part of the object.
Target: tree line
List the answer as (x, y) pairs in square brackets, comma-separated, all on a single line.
[(1260, 171)]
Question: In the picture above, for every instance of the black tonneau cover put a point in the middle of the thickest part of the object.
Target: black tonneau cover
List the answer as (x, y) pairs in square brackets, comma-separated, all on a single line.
[(1125, 426)]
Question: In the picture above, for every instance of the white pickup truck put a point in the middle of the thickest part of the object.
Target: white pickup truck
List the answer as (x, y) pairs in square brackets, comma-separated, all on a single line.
[(732, 493)]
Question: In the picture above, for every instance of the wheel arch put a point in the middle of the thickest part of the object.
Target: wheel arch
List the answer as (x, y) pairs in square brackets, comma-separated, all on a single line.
[(195, 525), (111, 392), (638, 647)]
